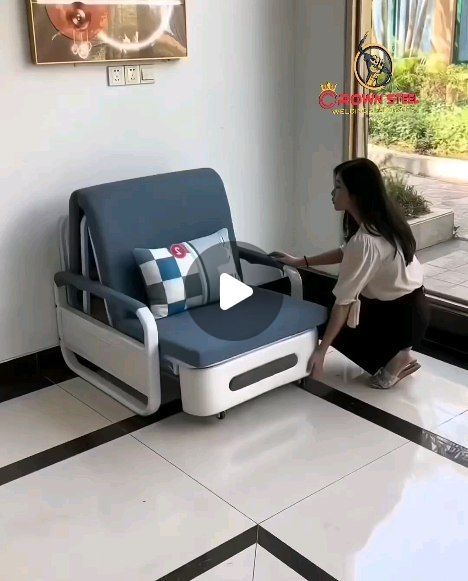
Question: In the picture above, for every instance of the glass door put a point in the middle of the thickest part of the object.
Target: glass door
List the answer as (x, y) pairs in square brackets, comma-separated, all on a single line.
[(416, 130)]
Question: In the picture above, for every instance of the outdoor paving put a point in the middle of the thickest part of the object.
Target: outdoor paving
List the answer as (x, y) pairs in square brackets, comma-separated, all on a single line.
[(443, 194), (446, 264), (446, 268)]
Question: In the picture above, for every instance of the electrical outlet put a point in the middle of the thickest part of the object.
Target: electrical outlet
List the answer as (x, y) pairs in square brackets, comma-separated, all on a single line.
[(115, 76), (132, 75)]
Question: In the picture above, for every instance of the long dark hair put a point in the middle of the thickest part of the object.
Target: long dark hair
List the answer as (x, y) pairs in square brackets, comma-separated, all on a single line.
[(380, 216)]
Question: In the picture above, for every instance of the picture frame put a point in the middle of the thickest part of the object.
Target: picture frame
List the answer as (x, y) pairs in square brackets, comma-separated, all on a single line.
[(107, 31)]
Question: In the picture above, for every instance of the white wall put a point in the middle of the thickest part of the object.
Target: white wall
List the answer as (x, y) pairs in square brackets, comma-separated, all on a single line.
[(244, 103), (320, 57), (230, 106)]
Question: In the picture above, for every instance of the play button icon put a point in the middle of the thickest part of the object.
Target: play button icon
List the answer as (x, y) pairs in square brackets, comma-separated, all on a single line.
[(235, 311), (232, 291)]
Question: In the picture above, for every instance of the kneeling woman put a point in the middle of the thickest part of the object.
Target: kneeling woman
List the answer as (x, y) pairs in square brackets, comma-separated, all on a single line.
[(380, 311)]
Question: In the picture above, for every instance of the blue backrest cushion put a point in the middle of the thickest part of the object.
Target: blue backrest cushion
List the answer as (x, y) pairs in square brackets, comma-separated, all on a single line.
[(148, 212)]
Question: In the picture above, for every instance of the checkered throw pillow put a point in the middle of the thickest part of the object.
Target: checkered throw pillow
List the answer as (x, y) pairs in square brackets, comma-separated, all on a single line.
[(186, 274)]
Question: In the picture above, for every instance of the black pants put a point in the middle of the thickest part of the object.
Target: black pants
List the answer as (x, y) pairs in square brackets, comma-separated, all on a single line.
[(385, 328)]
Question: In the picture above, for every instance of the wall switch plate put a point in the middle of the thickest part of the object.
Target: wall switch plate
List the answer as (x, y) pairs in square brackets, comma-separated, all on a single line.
[(147, 74), (132, 75)]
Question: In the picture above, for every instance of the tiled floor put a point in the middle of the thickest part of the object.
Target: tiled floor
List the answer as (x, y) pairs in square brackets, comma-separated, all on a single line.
[(425, 399), (455, 429), (116, 512), (43, 419), (186, 496), (238, 567), (263, 460), (387, 521), (269, 568)]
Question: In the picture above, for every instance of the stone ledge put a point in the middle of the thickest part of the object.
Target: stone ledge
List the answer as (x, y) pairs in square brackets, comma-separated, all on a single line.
[(433, 228), (440, 168)]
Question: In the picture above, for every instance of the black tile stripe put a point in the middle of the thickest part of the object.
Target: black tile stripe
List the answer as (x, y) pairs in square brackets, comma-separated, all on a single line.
[(433, 442), (13, 387), (71, 448), (257, 534), (20, 377), (214, 557), (31, 373), (291, 558), (52, 365)]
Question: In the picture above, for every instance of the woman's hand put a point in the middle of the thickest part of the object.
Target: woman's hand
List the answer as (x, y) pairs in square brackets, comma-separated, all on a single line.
[(315, 365), (285, 258)]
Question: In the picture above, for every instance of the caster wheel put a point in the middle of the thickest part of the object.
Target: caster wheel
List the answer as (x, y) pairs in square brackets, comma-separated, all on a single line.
[(301, 382), (221, 415)]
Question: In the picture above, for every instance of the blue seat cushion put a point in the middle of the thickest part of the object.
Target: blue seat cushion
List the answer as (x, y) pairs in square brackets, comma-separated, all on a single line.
[(180, 337)]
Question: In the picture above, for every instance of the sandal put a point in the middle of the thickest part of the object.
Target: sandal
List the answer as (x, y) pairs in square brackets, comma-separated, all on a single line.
[(384, 380)]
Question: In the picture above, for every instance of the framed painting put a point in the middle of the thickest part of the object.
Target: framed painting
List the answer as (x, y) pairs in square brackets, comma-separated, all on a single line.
[(107, 30)]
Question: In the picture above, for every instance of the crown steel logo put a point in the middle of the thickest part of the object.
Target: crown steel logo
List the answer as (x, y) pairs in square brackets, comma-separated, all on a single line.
[(373, 69)]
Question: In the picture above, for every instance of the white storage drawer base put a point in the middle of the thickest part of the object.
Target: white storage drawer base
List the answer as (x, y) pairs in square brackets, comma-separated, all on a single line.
[(206, 391)]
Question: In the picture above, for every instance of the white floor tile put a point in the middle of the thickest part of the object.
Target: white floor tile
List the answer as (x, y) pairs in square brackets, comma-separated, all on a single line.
[(452, 260), (432, 271), (96, 399), (462, 269), (424, 399), (441, 286), (271, 451), (455, 430), (446, 371), (269, 568), (238, 568), (42, 419), (451, 276), (117, 512), (460, 291), (404, 516)]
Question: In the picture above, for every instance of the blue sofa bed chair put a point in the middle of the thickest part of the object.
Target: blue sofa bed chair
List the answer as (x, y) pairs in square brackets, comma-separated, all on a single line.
[(124, 350)]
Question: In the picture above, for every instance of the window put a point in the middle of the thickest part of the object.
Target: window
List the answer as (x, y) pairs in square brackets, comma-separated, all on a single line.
[(461, 33), (424, 148)]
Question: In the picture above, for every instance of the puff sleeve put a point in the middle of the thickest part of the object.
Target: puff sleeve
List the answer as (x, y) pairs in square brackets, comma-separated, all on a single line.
[(361, 260)]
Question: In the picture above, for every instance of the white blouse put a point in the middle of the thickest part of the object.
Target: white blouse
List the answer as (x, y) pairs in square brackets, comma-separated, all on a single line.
[(370, 268)]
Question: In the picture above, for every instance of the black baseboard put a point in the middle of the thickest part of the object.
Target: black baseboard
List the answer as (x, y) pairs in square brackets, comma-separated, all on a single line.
[(31, 373)]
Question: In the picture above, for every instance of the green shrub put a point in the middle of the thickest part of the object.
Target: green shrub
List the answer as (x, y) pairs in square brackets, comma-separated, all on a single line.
[(457, 79), (439, 124), (401, 125), (407, 76), (428, 128), (450, 131), (412, 204), (431, 79)]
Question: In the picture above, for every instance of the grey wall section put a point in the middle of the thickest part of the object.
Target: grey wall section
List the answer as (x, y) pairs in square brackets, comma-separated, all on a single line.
[(244, 103), (320, 48)]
